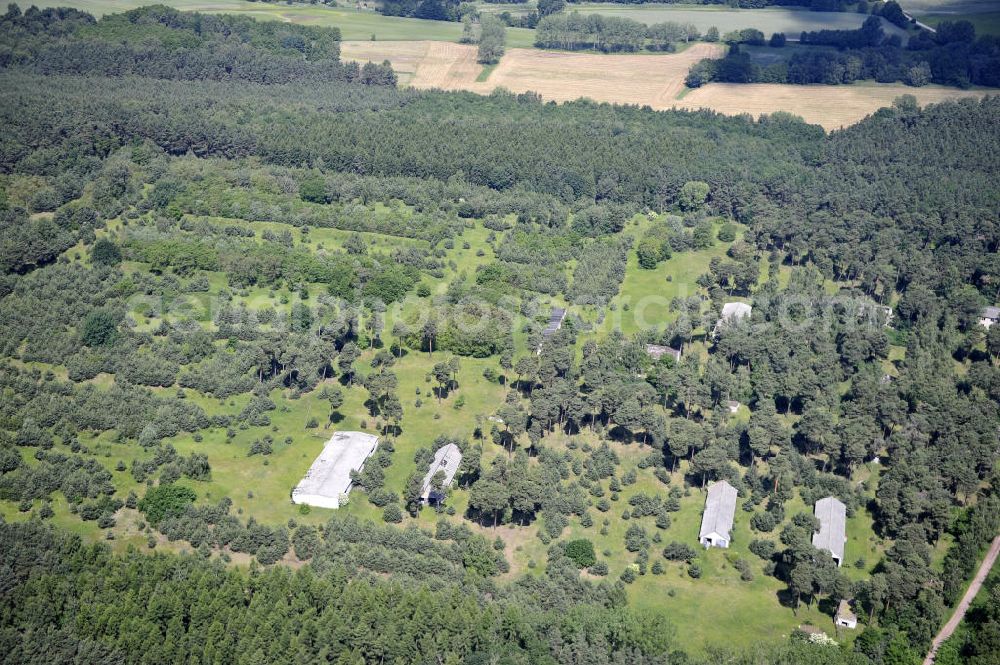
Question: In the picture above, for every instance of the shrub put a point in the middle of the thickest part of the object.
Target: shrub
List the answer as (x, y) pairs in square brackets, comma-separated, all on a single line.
[(165, 501), (763, 548), (676, 551), (727, 233), (763, 522), (694, 571), (599, 568), (581, 552)]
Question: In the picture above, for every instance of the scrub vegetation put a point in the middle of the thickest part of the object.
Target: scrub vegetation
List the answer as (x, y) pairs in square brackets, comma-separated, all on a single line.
[(220, 243)]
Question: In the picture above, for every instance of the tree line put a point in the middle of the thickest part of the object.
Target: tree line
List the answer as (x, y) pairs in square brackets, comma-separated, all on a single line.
[(575, 31), (953, 56)]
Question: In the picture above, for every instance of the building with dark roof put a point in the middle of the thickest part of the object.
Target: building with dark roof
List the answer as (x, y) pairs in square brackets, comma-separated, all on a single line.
[(555, 323)]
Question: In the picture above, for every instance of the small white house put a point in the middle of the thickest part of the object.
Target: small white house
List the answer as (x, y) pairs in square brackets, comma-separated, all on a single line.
[(657, 351), (732, 312), (989, 316), (447, 459), (717, 522), (845, 617)]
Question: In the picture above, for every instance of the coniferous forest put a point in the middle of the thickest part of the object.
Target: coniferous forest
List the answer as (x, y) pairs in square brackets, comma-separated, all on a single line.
[(219, 244)]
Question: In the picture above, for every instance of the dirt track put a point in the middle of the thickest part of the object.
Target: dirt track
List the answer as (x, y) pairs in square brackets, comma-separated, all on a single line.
[(963, 606)]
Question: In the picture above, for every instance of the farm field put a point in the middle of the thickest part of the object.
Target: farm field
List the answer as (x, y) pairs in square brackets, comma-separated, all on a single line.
[(654, 80), (353, 23), (790, 20), (626, 79), (832, 107), (983, 14)]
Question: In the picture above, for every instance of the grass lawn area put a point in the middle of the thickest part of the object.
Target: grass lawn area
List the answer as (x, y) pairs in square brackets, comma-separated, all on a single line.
[(647, 293), (986, 23), (485, 74), (789, 20), (353, 23), (719, 602)]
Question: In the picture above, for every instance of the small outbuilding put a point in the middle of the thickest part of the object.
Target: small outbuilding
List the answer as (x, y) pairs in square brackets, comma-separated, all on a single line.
[(845, 617), (717, 522), (733, 406), (328, 481), (832, 534), (657, 351), (556, 318), (446, 460), (989, 316), (731, 313)]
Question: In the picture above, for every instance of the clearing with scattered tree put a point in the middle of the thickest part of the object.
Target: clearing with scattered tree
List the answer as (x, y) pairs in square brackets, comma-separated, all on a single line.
[(223, 242)]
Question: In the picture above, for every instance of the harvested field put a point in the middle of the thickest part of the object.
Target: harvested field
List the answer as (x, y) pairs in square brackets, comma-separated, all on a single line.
[(405, 56), (832, 106), (656, 80), (627, 79), (424, 64)]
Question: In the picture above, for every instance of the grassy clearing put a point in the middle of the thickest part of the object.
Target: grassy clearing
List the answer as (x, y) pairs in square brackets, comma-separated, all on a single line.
[(719, 602), (260, 486), (353, 23), (644, 299), (485, 74)]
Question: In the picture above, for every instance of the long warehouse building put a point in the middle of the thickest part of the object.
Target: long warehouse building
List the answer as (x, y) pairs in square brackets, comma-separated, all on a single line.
[(328, 481)]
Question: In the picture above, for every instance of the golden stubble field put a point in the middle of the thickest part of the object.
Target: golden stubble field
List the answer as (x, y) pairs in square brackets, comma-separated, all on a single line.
[(646, 79), (832, 106), (628, 79)]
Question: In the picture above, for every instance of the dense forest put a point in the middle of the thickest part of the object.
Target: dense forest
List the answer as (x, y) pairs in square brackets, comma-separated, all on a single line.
[(207, 223)]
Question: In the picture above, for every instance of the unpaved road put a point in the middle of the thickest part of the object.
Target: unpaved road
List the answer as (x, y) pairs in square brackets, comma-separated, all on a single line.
[(970, 594)]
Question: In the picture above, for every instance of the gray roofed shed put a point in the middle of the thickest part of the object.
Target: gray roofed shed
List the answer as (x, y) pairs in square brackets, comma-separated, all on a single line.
[(717, 522), (657, 351), (832, 534), (731, 313), (329, 477), (555, 323), (447, 459)]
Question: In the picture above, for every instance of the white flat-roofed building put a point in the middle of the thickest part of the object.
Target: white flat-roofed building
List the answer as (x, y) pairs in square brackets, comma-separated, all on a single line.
[(731, 313), (446, 460), (657, 351), (329, 477), (845, 617), (832, 534), (989, 317)]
